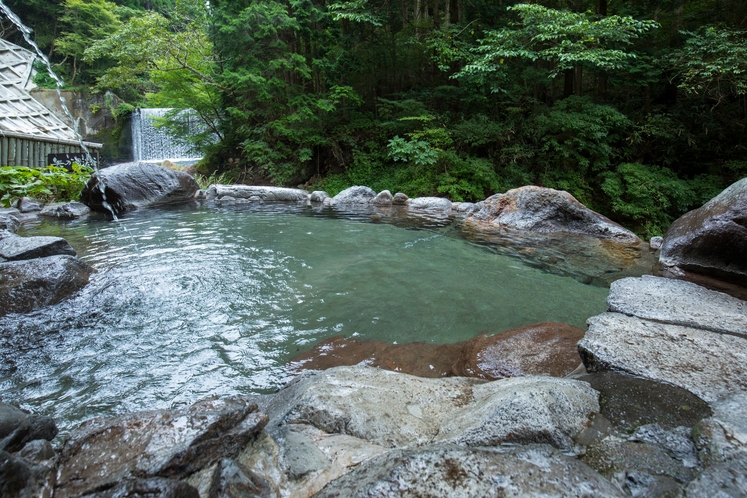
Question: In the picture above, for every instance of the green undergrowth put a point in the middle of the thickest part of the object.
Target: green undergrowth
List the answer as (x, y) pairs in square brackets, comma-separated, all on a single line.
[(48, 184)]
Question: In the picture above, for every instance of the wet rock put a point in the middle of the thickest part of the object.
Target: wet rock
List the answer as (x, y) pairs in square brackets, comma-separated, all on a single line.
[(155, 487), (231, 479), (430, 204), (400, 199), (300, 455), (65, 210), (135, 185), (14, 248), (9, 219), (711, 240), (534, 470), (541, 349), (544, 210), (354, 195), (629, 402), (318, 196), (37, 450), (728, 479), (384, 198), (28, 205), (31, 284), (643, 484), (393, 409), (678, 302), (251, 193), (655, 243), (155, 443), (707, 364), (21, 479), (612, 456)]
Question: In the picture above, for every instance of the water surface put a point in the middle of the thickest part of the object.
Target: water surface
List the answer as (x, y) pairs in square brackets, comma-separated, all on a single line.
[(191, 302)]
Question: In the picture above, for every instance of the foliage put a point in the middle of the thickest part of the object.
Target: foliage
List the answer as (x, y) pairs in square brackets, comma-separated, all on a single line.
[(204, 181), (50, 184)]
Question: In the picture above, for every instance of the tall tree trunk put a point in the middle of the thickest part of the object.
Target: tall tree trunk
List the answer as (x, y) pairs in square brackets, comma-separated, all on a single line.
[(568, 84), (447, 12), (579, 81)]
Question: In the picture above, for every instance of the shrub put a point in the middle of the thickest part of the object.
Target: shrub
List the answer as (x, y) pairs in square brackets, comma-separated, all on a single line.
[(49, 184)]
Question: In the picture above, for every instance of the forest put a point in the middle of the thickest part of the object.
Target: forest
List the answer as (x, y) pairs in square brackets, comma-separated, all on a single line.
[(636, 107)]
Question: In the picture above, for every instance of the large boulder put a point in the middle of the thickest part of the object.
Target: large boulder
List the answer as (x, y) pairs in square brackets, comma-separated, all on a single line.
[(430, 204), (354, 195), (161, 443), (535, 470), (126, 187), (251, 193), (545, 210), (711, 240), (392, 409), (14, 248), (31, 284)]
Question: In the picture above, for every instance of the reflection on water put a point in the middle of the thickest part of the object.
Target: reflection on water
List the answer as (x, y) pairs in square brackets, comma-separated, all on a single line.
[(192, 302)]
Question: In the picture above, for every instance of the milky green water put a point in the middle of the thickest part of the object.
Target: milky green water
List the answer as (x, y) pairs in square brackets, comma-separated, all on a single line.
[(192, 302)]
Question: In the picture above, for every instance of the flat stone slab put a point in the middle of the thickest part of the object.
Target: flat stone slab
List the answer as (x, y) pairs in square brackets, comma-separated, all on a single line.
[(707, 364), (678, 302), (14, 248), (535, 470), (393, 409), (256, 193), (430, 204)]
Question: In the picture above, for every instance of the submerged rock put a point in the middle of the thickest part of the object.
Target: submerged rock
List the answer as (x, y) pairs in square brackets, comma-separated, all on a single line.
[(540, 349), (354, 195), (155, 443), (708, 364), (15, 248), (678, 302), (535, 470), (393, 409), (711, 240), (219, 193), (31, 284), (134, 185), (65, 210), (544, 210)]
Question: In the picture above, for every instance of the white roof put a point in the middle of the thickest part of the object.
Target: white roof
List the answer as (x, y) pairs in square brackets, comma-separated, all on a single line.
[(20, 113)]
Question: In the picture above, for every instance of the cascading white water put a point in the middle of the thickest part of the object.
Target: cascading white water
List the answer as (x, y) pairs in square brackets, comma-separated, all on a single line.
[(150, 143)]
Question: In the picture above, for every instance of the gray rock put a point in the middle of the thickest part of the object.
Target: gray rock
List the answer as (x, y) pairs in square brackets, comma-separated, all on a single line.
[(28, 205), (655, 243), (678, 302), (707, 364), (724, 435), (384, 198), (400, 199), (464, 207), (611, 456), (535, 470), (253, 193), (318, 196), (300, 455), (711, 240), (430, 204), (728, 479), (155, 443), (354, 195), (643, 484), (393, 409), (37, 450), (230, 479), (135, 185), (154, 487), (9, 219), (14, 248), (545, 210), (676, 442), (65, 210), (31, 284)]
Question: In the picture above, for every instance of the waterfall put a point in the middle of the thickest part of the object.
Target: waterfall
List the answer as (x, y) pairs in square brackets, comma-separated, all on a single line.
[(150, 143)]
